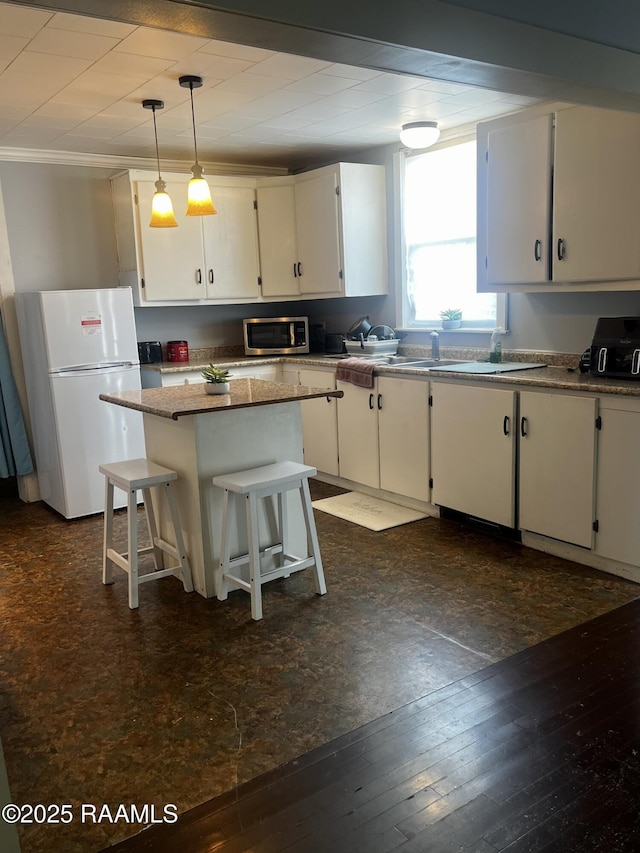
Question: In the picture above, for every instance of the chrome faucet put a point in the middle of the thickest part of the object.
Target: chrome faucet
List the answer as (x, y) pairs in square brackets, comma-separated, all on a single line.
[(435, 346)]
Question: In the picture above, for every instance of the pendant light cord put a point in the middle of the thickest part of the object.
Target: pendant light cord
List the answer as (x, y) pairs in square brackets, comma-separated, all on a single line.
[(155, 133), (193, 124)]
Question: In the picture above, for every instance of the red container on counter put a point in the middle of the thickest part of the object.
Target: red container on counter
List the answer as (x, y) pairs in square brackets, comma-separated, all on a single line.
[(177, 351)]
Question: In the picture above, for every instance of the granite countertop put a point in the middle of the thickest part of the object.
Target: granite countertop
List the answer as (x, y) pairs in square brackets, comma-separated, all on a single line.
[(561, 373), (180, 400)]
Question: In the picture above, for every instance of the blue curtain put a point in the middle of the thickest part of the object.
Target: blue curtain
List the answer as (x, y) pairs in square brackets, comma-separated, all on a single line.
[(15, 456)]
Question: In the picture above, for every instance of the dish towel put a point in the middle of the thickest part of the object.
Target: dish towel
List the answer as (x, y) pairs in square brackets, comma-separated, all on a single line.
[(357, 371)]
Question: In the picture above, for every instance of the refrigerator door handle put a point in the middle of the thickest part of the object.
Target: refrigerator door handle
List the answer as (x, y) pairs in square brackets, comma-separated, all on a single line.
[(86, 368)]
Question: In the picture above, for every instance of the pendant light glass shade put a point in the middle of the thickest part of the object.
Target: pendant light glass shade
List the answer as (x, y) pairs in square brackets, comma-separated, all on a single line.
[(162, 215), (199, 201), (419, 134), (161, 207)]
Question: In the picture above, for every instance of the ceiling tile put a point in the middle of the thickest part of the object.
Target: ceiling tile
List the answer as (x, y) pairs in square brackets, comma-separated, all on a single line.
[(82, 24), (116, 62), (321, 84), (254, 84), (47, 65), (236, 51), (20, 21), (289, 66), (159, 43), (10, 46), (389, 84), (95, 89), (211, 66), (351, 71), (65, 43)]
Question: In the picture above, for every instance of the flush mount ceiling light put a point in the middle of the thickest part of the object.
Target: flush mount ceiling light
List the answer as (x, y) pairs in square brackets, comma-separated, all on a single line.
[(198, 194), (419, 134), (161, 207)]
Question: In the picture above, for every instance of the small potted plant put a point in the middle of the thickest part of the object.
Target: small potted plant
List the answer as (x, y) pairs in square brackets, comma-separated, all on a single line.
[(217, 380), (451, 318)]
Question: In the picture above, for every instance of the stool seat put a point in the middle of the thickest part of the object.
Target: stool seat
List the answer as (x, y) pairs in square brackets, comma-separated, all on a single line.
[(133, 475), (266, 481), (137, 473)]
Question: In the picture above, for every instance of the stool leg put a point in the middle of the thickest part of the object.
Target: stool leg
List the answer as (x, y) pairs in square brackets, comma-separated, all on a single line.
[(254, 556), (152, 527), (283, 523), (222, 587), (312, 537), (185, 568), (107, 565), (132, 556)]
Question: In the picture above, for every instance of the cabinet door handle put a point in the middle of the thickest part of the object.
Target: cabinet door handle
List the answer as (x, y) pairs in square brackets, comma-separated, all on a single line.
[(295, 270), (561, 249), (371, 401), (198, 276), (523, 426), (537, 250), (506, 425), (211, 276), (379, 401), (299, 266)]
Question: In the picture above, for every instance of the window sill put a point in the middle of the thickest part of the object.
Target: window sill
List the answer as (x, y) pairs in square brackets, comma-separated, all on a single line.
[(461, 331)]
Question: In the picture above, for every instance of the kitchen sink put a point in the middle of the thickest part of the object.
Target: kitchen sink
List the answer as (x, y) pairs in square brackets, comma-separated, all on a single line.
[(409, 360)]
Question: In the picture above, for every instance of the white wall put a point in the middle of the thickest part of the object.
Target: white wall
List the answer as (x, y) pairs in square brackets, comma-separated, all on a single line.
[(60, 226)]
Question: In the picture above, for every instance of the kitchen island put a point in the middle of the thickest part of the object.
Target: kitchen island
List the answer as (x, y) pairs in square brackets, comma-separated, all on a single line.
[(202, 435)]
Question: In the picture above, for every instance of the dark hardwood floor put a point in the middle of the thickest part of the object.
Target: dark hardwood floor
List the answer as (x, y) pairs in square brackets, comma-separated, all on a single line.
[(539, 752)]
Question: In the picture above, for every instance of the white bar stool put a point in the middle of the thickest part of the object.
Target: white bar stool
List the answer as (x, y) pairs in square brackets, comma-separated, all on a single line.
[(254, 484), (130, 476)]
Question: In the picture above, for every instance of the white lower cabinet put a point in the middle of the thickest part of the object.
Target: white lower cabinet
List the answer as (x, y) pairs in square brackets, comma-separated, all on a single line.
[(557, 465), (473, 451), (320, 423), (358, 434), (618, 481), (383, 435), (403, 436)]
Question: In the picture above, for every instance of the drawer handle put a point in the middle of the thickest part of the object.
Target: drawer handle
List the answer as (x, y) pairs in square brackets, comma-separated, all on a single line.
[(506, 424), (537, 250), (523, 427)]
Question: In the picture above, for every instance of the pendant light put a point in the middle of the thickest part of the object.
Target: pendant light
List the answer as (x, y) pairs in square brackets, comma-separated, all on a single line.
[(161, 207), (419, 134), (198, 193)]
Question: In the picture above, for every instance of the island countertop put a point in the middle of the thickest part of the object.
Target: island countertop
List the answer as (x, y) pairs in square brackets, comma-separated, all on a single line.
[(177, 401)]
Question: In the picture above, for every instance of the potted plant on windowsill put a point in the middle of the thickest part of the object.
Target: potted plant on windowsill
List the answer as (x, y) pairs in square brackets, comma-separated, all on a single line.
[(217, 380), (451, 318)]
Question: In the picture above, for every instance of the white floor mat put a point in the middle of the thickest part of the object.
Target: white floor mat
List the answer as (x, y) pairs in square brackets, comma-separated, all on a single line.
[(367, 511)]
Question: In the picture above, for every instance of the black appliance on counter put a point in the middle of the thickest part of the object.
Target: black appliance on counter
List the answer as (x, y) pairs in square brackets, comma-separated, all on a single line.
[(615, 350), (327, 343), (150, 352)]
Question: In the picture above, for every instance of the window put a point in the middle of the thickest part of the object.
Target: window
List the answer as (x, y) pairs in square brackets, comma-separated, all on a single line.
[(439, 229)]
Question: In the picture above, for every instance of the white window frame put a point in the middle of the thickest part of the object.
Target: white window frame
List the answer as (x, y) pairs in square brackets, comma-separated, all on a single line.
[(402, 305)]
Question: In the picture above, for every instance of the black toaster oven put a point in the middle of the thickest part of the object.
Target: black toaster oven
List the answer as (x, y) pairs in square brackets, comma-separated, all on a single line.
[(615, 350)]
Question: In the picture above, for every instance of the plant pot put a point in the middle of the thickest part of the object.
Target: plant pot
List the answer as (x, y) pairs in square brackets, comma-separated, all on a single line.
[(217, 387), (451, 324)]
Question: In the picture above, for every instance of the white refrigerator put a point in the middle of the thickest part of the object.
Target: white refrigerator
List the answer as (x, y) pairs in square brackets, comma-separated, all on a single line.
[(76, 345)]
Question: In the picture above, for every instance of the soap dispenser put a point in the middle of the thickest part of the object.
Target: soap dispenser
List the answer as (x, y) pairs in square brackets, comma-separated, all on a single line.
[(495, 348)]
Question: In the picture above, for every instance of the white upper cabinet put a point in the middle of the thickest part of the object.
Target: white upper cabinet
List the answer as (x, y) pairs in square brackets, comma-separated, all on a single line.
[(206, 258), (559, 201), (341, 229), (231, 245), (319, 234), (519, 202), (279, 265)]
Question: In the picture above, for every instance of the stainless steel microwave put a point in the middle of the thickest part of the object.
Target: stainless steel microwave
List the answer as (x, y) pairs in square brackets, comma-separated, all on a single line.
[(276, 335)]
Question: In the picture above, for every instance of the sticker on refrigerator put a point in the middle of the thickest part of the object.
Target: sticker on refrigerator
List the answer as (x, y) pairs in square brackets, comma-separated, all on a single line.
[(91, 324)]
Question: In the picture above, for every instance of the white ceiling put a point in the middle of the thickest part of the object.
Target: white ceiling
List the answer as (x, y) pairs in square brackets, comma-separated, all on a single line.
[(70, 83)]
